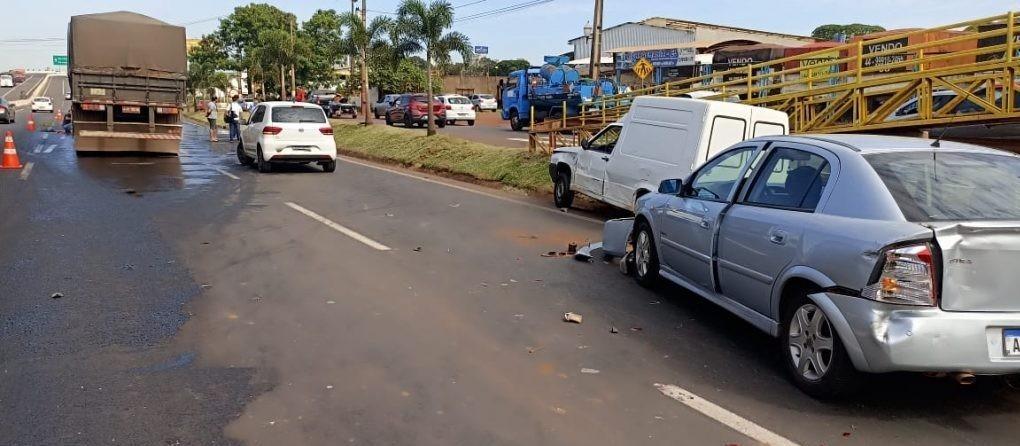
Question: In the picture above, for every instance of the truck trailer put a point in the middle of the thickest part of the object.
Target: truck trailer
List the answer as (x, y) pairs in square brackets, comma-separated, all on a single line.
[(128, 76)]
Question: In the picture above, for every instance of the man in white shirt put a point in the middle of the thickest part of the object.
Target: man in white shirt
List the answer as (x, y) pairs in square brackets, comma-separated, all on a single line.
[(212, 114), (233, 118)]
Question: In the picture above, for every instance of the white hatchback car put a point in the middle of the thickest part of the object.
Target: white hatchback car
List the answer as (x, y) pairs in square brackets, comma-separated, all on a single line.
[(484, 102), (458, 108), (287, 132), (42, 104)]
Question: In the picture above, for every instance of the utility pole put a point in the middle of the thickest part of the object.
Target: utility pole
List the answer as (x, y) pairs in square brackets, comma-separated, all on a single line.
[(364, 68), (595, 61)]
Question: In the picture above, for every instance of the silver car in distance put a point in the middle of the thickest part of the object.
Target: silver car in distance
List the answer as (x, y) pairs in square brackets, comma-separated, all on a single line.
[(861, 253)]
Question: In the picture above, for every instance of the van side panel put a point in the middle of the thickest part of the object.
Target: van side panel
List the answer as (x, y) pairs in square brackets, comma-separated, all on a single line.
[(723, 132)]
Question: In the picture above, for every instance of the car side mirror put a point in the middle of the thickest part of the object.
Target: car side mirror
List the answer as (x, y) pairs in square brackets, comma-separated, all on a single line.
[(670, 186), (586, 144)]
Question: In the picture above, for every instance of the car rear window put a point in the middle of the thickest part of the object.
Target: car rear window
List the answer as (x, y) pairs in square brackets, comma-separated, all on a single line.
[(298, 114), (946, 186), (458, 100), (485, 96), (421, 98)]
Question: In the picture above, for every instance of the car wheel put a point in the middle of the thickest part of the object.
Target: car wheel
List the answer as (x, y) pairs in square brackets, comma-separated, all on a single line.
[(242, 157), (814, 354), (646, 259), (563, 197), (471, 122), (329, 166), (263, 165), (388, 120), (515, 121), (407, 121), (441, 123)]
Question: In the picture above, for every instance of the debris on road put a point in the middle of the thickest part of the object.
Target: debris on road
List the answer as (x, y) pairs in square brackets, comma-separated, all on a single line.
[(625, 262), (572, 317), (554, 254), (455, 205), (559, 410), (588, 371), (130, 191), (533, 350), (585, 254), (636, 329), (56, 295), (417, 249), (572, 248), (613, 330), (615, 234)]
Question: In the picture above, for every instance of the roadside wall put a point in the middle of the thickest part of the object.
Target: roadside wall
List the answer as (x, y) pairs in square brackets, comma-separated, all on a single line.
[(476, 84)]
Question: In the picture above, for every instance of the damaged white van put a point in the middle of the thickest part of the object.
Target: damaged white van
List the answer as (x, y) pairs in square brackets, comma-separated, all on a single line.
[(659, 138)]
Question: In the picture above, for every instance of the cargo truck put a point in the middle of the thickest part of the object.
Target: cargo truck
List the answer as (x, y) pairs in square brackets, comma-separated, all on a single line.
[(128, 75), (18, 75)]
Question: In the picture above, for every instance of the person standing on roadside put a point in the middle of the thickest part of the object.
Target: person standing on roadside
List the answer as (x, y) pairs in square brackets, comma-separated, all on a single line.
[(211, 113), (234, 118)]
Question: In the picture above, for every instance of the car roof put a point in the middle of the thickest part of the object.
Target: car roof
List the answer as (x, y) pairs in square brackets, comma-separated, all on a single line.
[(290, 104), (41, 98), (867, 143)]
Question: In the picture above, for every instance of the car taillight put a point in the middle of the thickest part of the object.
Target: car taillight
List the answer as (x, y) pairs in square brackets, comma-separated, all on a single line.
[(326, 130), (907, 277), (270, 130), (93, 107), (449, 107)]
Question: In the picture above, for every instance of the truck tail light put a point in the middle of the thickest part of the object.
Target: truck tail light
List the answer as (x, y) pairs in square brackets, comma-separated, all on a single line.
[(166, 110), (326, 130), (271, 130), (93, 107), (906, 276), (130, 109)]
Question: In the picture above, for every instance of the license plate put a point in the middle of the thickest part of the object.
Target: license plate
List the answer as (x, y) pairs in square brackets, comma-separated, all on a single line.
[(1011, 341), (302, 148)]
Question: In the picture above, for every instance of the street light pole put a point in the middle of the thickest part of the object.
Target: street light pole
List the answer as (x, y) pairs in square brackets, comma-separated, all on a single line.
[(595, 61)]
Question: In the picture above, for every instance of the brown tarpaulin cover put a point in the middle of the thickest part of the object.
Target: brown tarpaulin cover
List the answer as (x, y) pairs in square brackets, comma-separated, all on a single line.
[(126, 43)]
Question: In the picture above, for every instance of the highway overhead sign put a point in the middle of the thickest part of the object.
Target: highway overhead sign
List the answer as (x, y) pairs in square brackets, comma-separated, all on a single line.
[(59, 60)]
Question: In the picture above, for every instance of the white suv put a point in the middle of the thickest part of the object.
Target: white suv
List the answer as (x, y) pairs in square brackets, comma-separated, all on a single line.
[(287, 132)]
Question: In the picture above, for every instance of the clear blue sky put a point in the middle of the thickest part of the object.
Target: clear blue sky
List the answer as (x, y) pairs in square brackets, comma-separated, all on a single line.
[(529, 33)]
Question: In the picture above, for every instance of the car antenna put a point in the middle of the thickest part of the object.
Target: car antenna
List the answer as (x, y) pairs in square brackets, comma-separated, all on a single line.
[(938, 141)]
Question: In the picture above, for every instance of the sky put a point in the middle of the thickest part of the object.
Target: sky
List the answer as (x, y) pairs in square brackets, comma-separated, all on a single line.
[(527, 33)]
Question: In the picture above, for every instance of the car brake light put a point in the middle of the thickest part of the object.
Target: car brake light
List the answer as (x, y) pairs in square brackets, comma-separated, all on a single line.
[(93, 107), (449, 107), (907, 277), (326, 130), (271, 130)]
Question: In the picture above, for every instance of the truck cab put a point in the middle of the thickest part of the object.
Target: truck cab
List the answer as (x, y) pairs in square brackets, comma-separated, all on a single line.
[(659, 138), (516, 101)]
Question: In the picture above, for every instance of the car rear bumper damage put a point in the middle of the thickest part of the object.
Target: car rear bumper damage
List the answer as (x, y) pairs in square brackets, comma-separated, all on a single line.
[(882, 337)]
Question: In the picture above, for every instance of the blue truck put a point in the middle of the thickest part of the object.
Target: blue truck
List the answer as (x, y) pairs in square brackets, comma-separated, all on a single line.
[(553, 90)]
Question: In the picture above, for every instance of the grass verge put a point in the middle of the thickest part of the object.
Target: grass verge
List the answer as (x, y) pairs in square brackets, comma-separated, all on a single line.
[(515, 168)]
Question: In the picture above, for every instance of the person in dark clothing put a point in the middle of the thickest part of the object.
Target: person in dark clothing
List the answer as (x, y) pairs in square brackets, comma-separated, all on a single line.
[(499, 95)]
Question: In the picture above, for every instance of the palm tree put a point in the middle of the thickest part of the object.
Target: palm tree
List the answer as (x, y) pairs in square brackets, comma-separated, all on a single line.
[(358, 41), (425, 25), (274, 47)]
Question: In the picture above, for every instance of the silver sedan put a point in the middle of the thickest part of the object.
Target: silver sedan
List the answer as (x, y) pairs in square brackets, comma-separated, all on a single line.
[(861, 253)]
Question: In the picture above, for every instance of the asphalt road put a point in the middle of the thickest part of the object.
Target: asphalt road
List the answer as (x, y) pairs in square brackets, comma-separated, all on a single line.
[(14, 93), (204, 303)]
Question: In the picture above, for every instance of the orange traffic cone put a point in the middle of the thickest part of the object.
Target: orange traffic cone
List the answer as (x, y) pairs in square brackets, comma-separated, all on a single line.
[(31, 123), (57, 117), (10, 159)]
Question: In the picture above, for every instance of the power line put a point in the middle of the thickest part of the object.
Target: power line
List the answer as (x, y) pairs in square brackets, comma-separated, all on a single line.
[(503, 10), (469, 4)]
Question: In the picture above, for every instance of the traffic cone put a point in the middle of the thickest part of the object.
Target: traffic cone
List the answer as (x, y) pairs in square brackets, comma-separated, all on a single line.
[(31, 123), (10, 159), (57, 117)]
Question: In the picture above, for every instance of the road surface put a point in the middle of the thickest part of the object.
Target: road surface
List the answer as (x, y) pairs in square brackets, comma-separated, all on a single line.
[(204, 303), (489, 129)]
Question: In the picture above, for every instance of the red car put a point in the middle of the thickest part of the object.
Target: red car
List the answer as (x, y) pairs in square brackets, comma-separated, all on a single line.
[(410, 109)]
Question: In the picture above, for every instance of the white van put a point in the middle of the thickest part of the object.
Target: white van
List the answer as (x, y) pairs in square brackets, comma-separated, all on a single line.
[(659, 138)]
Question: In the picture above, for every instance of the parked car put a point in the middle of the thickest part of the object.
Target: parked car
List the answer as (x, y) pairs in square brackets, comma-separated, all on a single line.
[(287, 132), (942, 98), (484, 102), (42, 104), (861, 253), (380, 108), (321, 97), (6, 80), (458, 108), (7, 112), (410, 109), (67, 96), (658, 138), (340, 106)]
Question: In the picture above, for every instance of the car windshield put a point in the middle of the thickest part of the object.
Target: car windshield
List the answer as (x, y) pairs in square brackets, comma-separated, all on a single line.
[(458, 100), (940, 186), (42, 100), (298, 114)]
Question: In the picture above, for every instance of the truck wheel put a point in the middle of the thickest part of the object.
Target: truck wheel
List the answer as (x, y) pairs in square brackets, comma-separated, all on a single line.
[(646, 259), (242, 157), (563, 197), (515, 121), (813, 353), (264, 166)]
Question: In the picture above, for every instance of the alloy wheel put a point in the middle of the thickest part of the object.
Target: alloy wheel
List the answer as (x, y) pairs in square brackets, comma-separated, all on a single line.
[(642, 254), (811, 342)]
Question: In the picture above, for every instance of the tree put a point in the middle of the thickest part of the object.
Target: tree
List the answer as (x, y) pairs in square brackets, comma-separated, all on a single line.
[(275, 47), (359, 40), (505, 67), (325, 30), (829, 32), (426, 25), (239, 32)]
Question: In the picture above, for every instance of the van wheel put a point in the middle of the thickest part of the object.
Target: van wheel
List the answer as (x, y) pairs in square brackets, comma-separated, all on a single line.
[(242, 157), (471, 122), (515, 121), (813, 353), (646, 259), (263, 165), (563, 197)]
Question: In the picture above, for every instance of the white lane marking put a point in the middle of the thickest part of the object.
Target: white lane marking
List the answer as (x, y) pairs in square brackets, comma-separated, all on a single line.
[(26, 171), (132, 164), (345, 231), (727, 418), (45, 136), (50, 148), (37, 149), (518, 139), (474, 191), (225, 172)]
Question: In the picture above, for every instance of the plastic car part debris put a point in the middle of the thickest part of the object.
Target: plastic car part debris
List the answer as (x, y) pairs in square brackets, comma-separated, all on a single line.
[(615, 234), (585, 253), (571, 248), (613, 330), (418, 249), (572, 317), (625, 263), (590, 371), (59, 295)]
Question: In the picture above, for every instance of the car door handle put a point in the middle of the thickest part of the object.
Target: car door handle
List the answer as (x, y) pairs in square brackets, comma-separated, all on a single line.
[(778, 237), (605, 158), (706, 223)]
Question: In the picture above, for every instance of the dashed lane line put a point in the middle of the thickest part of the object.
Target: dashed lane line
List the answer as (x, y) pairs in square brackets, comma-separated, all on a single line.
[(26, 171), (224, 172), (49, 148), (337, 227), (474, 191), (518, 139), (37, 149), (727, 418)]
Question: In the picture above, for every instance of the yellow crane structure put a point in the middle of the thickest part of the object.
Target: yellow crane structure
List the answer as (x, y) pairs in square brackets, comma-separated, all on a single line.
[(855, 87)]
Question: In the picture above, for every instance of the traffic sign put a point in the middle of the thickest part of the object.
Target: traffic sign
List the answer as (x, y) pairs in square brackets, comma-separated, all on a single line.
[(643, 67), (59, 60), (481, 50)]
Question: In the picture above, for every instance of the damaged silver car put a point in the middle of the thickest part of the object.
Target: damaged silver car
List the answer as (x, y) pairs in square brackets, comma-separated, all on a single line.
[(862, 254)]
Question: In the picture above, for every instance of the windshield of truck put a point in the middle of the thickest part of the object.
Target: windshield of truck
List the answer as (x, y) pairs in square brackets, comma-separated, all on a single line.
[(298, 115), (940, 186)]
